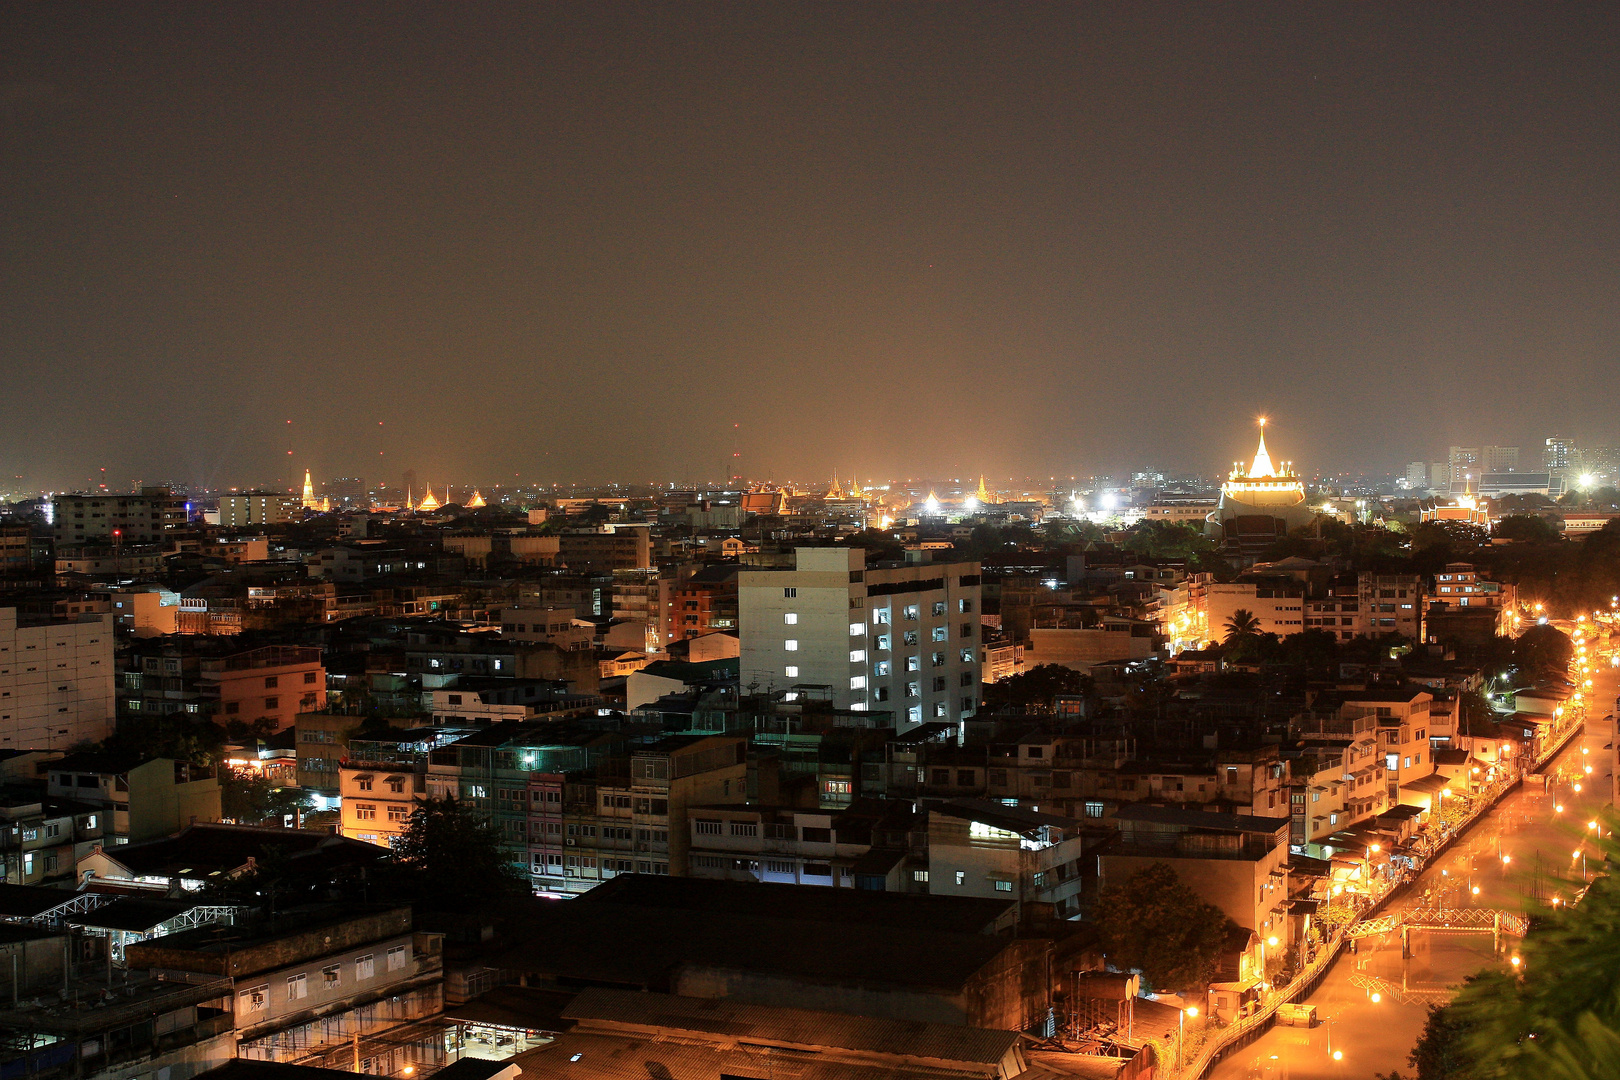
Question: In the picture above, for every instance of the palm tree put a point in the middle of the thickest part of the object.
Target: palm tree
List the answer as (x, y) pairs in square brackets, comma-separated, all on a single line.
[(1242, 624)]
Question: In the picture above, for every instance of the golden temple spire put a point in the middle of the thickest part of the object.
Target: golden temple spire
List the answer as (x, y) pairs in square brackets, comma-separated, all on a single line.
[(428, 501), (983, 494), (835, 492), (855, 491), (1262, 461), (309, 492), (477, 501)]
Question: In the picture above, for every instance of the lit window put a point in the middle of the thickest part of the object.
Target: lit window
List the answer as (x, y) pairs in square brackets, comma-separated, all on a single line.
[(791, 644), (857, 629), (791, 618), (791, 671), (857, 656), (858, 683)]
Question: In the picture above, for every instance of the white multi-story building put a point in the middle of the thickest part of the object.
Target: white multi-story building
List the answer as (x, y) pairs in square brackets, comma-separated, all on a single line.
[(124, 519), (258, 508), (56, 681), (901, 638)]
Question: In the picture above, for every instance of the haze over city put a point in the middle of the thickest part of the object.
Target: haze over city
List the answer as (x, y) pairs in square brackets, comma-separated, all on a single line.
[(578, 242)]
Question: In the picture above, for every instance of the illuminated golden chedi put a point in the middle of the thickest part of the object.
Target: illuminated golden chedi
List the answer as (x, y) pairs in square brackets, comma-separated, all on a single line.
[(1262, 483)]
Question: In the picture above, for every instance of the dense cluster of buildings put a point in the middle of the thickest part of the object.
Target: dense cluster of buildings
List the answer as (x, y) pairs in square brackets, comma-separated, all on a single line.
[(729, 728)]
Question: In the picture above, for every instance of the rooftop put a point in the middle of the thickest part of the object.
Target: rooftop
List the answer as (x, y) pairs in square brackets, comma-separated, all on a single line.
[(1198, 819), (730, 1021)]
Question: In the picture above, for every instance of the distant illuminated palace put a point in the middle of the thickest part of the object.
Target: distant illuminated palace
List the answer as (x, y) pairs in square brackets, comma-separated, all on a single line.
[(1260, 503)]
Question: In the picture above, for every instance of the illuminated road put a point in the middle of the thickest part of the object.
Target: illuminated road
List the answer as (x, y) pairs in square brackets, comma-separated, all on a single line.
[(1376, 1037)]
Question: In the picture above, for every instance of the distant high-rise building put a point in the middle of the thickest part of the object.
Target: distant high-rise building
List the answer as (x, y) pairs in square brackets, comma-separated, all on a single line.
[(1465, 467), (1417, 475), (1494, 459), (258, 508), (346, 490), (1603, 463), (1563, 464), (1439, 476)]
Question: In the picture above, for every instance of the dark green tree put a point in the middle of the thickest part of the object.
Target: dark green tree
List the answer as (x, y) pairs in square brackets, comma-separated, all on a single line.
[(1528, 527), (450, 858), (248, 798), (1153, 923), (1034, 689), (1543, 652)]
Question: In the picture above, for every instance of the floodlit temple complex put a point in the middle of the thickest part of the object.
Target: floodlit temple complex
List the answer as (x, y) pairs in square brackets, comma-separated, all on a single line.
[(1259, 504)]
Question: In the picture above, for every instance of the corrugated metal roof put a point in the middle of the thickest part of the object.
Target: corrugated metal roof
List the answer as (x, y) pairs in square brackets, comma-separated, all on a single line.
[(796, 1027)]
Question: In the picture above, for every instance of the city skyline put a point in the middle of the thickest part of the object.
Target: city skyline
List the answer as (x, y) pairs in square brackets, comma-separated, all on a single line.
[(587, 240)]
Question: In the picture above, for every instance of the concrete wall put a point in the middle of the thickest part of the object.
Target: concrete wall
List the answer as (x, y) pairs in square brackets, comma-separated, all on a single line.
[(56, 682), (1083, 649)]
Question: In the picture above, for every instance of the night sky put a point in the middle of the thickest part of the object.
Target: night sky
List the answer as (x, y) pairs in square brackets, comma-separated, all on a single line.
[(554, 242)]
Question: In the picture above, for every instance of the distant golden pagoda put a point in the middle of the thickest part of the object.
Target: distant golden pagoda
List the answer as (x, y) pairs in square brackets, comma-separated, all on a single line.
[(428, 501), (834, 492), (984, 495), (477, 501), (309, 493), (855, 491), (1262, 483)]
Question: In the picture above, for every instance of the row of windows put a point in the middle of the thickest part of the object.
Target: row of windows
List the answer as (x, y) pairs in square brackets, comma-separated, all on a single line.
[(257, 998), (368, 812)]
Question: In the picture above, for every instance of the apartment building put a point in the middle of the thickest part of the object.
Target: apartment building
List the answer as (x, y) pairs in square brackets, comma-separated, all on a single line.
[(1402, 716), (701, 600), (1278, 603), (547, 625), (42, 839), (622, 548), (380, 781), (901, 638), (274, 683), (1337, 779), (138, 798), (1460, 585), (251, 508), (981, 848), (1236, 862), (870, 845), (125, 519), (56, 680)]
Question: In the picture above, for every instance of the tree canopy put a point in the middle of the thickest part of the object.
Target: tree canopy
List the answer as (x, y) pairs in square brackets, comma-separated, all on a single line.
[(450, 858), (248, 798), (1153, 923), (1033, 689), (1543, 652)]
